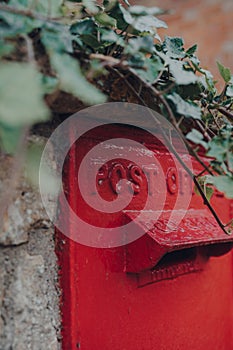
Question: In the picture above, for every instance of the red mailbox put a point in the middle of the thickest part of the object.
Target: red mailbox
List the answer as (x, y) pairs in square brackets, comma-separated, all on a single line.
[(169, 289)]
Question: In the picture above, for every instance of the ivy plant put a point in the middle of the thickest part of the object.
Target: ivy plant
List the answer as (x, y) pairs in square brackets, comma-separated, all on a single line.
[(72, 47)]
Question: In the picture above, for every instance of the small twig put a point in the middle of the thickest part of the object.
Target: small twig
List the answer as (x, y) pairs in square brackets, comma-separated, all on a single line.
[(227, 113), (203, 130), (140, 89), (166, 90), (214, 119), (30, 49), (180, 120), (109, 61), (229, 223), (160, 97), (196, 156), (200, 174), (223, 92), (206, 128), (158, 77)]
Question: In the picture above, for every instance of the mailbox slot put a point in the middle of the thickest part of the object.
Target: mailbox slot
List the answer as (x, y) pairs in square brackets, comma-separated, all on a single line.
[(177, 258), (172, 265)]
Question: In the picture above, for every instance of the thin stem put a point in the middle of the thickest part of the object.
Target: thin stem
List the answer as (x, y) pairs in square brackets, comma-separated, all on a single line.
[(227, 113), (203, 130), (200, 174), (229, 223), (30, 49)]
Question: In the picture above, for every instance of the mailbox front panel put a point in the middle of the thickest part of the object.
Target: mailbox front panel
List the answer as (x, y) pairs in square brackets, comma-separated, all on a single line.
[(159, 292)]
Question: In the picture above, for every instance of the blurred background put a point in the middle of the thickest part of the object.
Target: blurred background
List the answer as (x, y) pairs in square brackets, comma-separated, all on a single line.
[(208, 23)]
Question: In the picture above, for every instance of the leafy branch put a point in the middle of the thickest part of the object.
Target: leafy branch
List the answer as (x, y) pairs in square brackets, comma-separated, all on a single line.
[(54, 47), (173, 150)]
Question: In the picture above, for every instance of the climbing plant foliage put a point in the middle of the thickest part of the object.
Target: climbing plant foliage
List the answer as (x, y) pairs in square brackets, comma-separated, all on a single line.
[(82, 42)]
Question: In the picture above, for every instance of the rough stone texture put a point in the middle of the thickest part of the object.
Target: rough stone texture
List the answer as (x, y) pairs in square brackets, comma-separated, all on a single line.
[(23, 210), (29, 293)]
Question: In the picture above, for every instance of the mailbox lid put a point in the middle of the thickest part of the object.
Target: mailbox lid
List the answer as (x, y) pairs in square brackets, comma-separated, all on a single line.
[(198, 227), (197, 230)]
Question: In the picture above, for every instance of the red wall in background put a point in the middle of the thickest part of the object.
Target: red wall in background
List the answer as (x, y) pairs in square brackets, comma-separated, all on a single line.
[(207, 23)]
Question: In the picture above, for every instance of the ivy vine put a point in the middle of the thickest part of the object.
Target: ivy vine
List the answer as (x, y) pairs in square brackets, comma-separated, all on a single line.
[(75, 47)]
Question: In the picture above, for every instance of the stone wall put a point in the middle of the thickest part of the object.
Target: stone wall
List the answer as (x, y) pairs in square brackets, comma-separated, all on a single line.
[(29, 292)]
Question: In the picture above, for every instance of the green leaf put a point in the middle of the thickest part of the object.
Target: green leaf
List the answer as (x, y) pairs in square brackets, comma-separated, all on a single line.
[(49, 84), (209, 191), (224, 184), (57, 37), (148, 24), (191, 91), (21, 95), (150, 69), (9, 137), (206, 183), (225, 72), (182, 76), (217, 149), (73, 81), (12, 24), (116, 12), (96, 69), (108, 36), (137, 60), (230, 160), (134, 23), (143, 23), (91, 6), (229, 91), (5, 48), (139, 10), (86, 30), (187, 109), (174, 47), (44, 7), (106, 3), (191, 50), (83, 27), (207, 80), (32, 164), (194, 60), (126, 2), (197, 137), (105, 20), (34, 168), (143, 44)]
